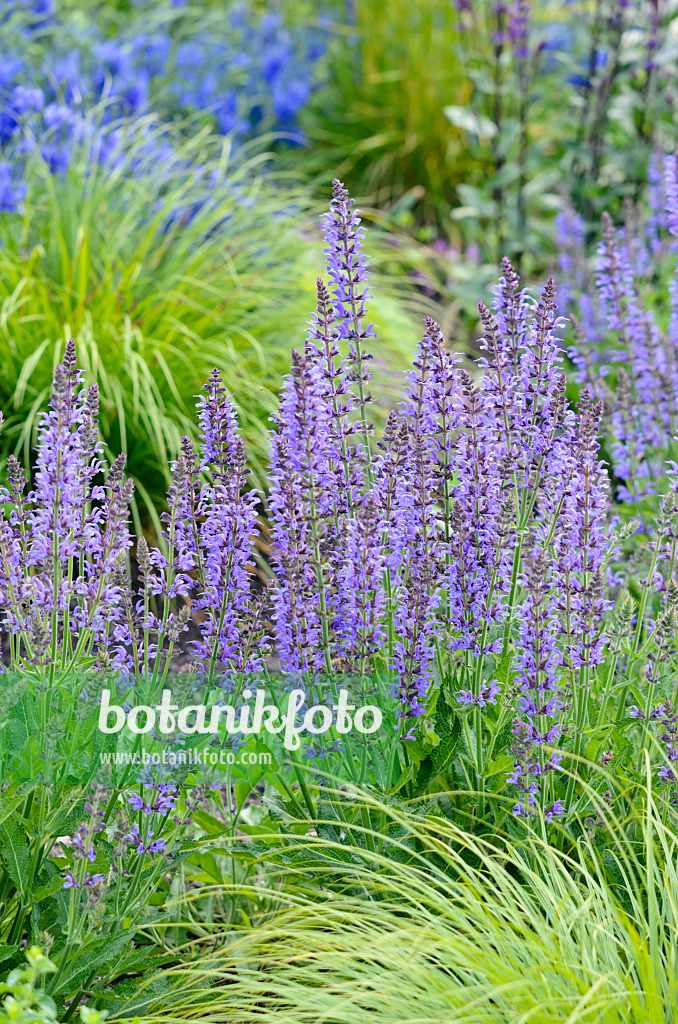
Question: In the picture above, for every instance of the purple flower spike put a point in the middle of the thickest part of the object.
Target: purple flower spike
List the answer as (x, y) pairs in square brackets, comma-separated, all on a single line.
[(347, 267), (303, 506), (226, 525), (537, 661), (66, 541), (360, 599)]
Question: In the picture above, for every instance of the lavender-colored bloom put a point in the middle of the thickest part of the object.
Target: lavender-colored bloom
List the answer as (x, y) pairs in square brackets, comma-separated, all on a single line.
[(537, 662), (645, 424), (81, 846), (222, 525), (431, 396), (416, 627), (670, 183), (432, 410), (360, 598), (488, 695), (347, 267), (164, 802), (656, 201), (63, 542), (302, 503), (580, 543), (322, 348), (167, 576), (478, 567), (555, 810), (525, 770), (413, 487), (667, 715), (141, 844), (415, 545), (71, 881), (573, 276), (517, 29)]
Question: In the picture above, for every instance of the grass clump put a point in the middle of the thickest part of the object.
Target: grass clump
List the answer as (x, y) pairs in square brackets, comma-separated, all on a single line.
[(449, 926)]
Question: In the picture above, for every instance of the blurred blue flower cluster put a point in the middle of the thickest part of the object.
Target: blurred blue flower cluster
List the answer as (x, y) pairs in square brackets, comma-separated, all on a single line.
[(244, 74)]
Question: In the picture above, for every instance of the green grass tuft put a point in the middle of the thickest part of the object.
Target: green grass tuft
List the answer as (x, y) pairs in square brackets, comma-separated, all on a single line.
[(162, 264), (452, 928)]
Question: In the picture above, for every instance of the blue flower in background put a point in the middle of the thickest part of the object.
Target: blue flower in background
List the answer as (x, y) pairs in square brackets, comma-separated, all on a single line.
[(112, 59), (277, 56), (600, 59), (579, 81), (66, 76), (248, 73), (10, 68), (152, 52), (289, 97), (12, 193), (27, 100), (559, 37)]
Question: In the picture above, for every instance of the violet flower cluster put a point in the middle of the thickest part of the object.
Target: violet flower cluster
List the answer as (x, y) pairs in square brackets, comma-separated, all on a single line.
[(133, 839), (624, 350), (65, 589), (468, 548)]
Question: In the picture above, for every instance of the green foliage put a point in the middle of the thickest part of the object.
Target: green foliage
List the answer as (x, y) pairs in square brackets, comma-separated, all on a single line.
[(440, 118), (442, 925), (379, 124), (26, 1003)]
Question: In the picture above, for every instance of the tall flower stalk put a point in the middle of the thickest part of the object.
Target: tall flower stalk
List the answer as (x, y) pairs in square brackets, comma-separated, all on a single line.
[(348, 270), (469, 561)]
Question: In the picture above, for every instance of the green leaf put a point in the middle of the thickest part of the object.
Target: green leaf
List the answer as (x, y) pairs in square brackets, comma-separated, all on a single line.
[(496, 771), (425, 774), (21, 725), (406, 775), (83, 964), (9, 804), (470, 121), (7, 952), (504, 737), (15, 852), (444, 754), (49, 889), (379, 768), (211, 825), (503, 669), (208, 870)]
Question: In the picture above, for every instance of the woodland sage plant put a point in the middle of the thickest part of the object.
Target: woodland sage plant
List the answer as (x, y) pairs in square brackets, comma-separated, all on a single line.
[(465, 574), (464, 571)]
